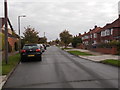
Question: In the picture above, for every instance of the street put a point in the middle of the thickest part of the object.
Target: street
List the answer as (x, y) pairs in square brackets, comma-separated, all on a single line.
[(60, 69)]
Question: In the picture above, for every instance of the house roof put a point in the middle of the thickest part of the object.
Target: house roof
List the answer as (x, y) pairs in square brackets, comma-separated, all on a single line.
[(91, 31), (3, 21), (114, 24), (95, 30)]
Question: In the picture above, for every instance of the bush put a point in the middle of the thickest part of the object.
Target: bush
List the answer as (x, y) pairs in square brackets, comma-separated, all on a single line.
[(76, 41), (116, 44), (111, 44)]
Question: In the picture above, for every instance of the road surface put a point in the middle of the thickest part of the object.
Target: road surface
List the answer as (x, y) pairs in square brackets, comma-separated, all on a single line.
[(60, 69)]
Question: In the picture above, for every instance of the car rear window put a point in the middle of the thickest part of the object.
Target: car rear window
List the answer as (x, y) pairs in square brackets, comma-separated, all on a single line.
[(30, 47)]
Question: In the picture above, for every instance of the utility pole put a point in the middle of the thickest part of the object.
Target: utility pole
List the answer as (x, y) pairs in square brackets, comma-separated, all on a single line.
[(19, 33), (6, 31)]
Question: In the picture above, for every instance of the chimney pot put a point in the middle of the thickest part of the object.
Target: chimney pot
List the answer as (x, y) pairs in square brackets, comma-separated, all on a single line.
[(95, 26)]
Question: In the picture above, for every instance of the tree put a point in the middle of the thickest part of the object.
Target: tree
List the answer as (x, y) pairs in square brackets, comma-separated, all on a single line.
[(76, 40), (42, 40), (57, 41), (30, 36), (65, 37)]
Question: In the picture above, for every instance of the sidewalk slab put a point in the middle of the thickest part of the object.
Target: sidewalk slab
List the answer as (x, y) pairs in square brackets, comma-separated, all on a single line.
[(87, 51), (2, 80), (98, 56)]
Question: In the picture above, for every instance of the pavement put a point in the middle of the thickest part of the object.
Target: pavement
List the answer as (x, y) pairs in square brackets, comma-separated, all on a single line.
[(97, 56), (3, 78)]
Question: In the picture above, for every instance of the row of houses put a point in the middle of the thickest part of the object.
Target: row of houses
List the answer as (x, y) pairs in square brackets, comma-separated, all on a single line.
[(13, 38), (99, 35)]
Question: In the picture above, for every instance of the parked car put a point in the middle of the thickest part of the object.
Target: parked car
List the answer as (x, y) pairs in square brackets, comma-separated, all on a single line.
[(31, 51), (41, 47), (45, 47), (48, 45)]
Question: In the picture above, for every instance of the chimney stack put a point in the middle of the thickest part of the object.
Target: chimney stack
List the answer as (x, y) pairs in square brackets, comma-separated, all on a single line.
[(95, 26), (79, 34), (119, 9)]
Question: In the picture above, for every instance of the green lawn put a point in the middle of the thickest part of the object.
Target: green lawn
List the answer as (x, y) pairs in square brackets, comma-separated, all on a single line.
[(13, 61), (112, 62), (80, 53), (66, 48)]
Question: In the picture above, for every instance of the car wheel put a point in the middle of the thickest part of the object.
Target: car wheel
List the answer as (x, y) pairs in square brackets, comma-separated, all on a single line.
[(22, 59), (40, 59)]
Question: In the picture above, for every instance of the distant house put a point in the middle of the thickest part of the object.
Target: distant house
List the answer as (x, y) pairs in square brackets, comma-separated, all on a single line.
[(90, 38), (13, 38), (110, 32), (98, 35)]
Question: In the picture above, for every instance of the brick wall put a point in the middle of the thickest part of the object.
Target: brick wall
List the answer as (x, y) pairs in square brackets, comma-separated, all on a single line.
[(112, 50), (12, 42)]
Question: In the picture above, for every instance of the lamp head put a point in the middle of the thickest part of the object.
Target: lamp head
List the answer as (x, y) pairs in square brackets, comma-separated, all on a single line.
[(22, 16)]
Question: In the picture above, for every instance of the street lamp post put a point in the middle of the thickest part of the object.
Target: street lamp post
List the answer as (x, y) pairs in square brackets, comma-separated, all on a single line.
[(19, 31)]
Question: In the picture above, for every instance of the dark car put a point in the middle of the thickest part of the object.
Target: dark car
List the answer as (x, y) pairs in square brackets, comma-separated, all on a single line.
[(31, 51)]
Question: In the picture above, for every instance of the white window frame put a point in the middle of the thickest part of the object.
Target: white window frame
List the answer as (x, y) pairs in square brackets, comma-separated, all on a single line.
[(102, 33), (95, 35), (111, 31), (107, 31)]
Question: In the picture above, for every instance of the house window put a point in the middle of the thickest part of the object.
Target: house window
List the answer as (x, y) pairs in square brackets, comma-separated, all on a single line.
[(86, 42), (82, 38), (111, 31), (95, 35), (103, 33), (91, 36), (86, 37), (106, 41), (95, 42), (107, 32)]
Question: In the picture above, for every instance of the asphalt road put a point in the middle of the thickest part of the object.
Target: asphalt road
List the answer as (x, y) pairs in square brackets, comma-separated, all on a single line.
[(62, 70)]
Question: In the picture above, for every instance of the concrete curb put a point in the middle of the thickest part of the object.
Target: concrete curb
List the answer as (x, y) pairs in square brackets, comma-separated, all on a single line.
[(82, 57), (90, 59), (109, 64), (7, 76)]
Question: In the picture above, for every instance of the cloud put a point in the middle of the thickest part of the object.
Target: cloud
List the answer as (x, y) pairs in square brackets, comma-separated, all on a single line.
[(53, 16)]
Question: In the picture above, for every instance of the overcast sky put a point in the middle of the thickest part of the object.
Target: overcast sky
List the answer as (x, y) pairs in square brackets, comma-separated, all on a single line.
[(54, 16)]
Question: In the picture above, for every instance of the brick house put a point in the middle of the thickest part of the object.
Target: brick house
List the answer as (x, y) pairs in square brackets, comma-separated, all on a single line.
[(90, 38), (13, 38), (100, 35), (110, 32)]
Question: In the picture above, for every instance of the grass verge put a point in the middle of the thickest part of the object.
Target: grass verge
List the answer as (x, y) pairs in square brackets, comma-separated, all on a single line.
[(80, 53), (13, 61), (66, 48), (112, 62)]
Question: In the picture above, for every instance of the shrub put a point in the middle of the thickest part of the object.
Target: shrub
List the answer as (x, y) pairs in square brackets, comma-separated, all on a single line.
[(111, 44)]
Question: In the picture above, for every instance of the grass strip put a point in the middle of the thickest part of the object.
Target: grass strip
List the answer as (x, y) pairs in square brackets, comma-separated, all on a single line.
[(66, 48), (112, 62), (12, 62), (80, 53)]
